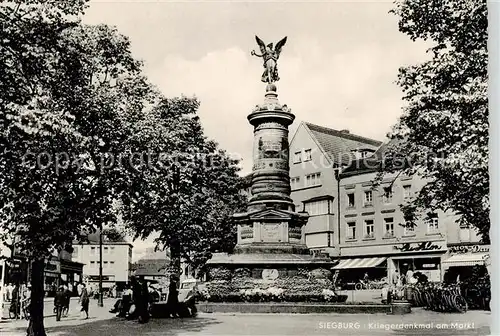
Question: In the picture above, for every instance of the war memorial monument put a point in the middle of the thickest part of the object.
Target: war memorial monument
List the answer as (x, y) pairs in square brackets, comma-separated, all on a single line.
[(271, 258)]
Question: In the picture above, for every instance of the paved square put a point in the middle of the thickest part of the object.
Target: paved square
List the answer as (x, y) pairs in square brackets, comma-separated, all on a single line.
[(419, 322)]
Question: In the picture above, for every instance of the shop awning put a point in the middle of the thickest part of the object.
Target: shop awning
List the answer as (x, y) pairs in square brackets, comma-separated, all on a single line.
[(360, 263), (466, 259)]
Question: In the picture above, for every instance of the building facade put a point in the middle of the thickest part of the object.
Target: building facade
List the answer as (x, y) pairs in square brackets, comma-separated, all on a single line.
[(316, 153), (375, 238), (116, 263)]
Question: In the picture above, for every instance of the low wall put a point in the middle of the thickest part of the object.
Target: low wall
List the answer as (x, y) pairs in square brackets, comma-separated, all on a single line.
[(293, 308)]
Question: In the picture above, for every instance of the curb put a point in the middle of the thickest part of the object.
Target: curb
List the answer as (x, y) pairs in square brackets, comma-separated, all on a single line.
[(291, 308)]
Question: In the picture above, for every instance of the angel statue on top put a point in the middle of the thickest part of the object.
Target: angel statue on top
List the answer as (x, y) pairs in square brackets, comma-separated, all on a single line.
[(270, 57)]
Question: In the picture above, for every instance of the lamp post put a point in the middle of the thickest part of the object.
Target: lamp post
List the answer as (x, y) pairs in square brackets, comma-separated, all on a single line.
[(100, 302)]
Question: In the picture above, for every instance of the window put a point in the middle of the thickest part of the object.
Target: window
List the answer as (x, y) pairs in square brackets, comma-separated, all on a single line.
[(75, 253), (387, 195), (465, 234), (409, 230), (369, 228), (368, 198), (313, 180), (432, 224), (295, 182), (307, 155), (297, 158), (389, 227), (111, 250), (407, 191), (350, 200), (351, 230), (105, 264), (105, 250), (92, 264), (111, 263), (92, 250), (317, 207)]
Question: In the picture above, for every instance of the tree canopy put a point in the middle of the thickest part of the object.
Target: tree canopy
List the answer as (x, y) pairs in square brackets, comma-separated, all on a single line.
[(444, 131), (187, 187), (77, 120)]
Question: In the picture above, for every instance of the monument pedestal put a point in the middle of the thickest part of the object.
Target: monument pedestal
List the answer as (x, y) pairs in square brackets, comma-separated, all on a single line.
[(270, 241)]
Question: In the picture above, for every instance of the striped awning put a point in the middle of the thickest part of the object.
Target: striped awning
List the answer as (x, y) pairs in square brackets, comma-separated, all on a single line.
[(466, 259), (360, 263)]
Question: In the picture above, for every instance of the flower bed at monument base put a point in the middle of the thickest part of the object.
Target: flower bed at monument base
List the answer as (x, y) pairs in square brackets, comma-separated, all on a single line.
[(293, 289)]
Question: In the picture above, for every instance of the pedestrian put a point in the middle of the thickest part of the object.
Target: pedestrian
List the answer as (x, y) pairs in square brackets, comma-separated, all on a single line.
[(143, 304), (67, 300), (15, 301), (84, 301), (173, 298), (136, 298), (59, 302), (79, 289), (9, 290), (124, 308)]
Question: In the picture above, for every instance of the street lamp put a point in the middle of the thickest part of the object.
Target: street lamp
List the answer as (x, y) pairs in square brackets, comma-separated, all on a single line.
[(100, 302)]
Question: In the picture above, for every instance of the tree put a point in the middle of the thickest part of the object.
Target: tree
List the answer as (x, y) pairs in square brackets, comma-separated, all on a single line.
[(68, 94), (188, 188), (443, 133)]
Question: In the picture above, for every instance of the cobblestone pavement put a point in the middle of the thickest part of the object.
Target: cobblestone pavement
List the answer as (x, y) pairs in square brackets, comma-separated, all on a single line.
[(96, 313), (420, 322)]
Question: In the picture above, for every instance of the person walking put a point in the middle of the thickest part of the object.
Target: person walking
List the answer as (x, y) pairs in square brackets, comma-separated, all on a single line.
[(67, 300), (143, 304), (15, 301), (173, 298), (84, 301), (59, 302), (8, 292)]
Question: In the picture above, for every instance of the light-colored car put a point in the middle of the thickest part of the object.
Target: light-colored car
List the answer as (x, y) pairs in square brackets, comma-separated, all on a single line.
[(188, 286)]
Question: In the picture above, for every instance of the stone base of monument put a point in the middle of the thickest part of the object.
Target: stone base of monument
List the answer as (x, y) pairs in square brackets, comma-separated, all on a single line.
[(291, 308), (269, 277), (271, 262)]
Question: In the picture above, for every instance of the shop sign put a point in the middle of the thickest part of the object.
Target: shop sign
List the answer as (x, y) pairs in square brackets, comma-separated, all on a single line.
[(470, 249), (419, 247)]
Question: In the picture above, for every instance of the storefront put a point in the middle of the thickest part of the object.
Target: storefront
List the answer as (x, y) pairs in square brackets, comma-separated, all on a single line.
[(423, 257), (461, 259), (382, 261), (351, 270)]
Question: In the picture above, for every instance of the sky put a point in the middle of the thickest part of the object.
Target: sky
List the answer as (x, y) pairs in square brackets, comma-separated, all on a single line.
[(338, 68)]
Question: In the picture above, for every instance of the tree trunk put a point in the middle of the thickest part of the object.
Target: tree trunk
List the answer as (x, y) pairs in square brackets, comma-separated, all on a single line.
[(175, 259), (36, 327)]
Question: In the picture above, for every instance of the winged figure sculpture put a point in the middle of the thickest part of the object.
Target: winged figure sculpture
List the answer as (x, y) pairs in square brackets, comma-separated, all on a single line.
[(270, 56)]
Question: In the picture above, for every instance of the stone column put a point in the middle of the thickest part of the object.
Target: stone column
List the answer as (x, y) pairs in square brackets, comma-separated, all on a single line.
[(270, 178)]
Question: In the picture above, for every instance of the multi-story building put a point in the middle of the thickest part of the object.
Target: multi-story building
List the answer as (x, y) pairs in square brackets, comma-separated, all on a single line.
[(116, 263), (374, 236), (316, 153)]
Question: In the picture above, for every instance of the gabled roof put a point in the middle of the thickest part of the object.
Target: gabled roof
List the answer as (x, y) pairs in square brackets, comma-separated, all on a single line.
[(339, 145), (151, 267), (371, 163)]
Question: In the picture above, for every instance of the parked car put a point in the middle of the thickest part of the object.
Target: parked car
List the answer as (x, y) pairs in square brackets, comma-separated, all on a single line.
[(188, 290)]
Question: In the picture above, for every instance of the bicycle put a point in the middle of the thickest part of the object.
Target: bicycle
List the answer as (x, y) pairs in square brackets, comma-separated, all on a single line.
[(363, 285)]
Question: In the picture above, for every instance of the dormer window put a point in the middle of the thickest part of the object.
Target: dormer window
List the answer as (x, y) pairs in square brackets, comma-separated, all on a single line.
[(361, 153)]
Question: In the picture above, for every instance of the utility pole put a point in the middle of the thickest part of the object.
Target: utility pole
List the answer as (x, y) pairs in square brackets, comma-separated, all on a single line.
[(100, 302), (337, 177)]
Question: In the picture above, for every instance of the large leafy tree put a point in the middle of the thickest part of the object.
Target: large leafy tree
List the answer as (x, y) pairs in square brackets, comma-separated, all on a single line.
[(187, 188), (443, 132), (68, 94)]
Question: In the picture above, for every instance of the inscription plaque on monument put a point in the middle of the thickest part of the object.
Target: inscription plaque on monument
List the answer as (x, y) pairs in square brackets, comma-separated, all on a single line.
[(270, 233)]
